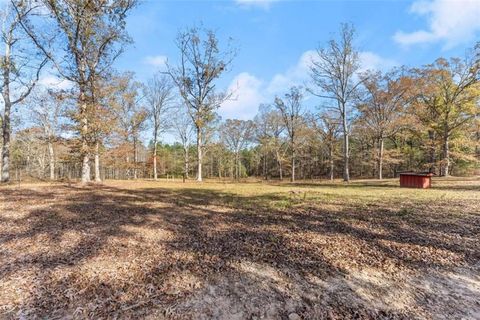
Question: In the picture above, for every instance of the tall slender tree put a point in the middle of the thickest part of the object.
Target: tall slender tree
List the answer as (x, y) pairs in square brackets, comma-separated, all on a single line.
[(202, 62), (47, 111), (182, 128), (159, 97), (333, 72), (291, 109)]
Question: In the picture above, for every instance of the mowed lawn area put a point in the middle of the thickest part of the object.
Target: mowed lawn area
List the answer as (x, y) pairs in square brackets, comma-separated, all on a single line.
[(252, 250)]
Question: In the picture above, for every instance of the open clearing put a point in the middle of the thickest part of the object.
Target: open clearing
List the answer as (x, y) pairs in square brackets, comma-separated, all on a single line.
[(252, 250)]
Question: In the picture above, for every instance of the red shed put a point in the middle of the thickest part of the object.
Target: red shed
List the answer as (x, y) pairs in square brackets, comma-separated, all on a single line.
[(422, 180)]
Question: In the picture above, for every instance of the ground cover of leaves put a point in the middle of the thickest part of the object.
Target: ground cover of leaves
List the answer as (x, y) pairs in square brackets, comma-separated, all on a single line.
[(252, 250)]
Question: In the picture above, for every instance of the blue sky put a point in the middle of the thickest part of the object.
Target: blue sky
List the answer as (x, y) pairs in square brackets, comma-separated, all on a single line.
[(275, 38)]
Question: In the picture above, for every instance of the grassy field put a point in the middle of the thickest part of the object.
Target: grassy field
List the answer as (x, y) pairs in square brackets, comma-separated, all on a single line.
[(253, 250)]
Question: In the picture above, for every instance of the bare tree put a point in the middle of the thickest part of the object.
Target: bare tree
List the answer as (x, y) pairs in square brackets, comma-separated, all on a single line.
[(292, 114), (333, 73), (46, 113), (236, 134), (20, 68), (91, 34), (159, 97), (202, 62), (183, 130)]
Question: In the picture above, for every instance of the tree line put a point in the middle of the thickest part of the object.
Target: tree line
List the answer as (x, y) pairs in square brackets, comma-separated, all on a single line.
[(365, 123)]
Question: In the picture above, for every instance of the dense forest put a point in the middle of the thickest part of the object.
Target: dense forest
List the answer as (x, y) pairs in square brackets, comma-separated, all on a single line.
[(105, 124)]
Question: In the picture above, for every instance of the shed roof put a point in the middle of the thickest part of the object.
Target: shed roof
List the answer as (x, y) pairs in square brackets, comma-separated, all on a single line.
[(418, 174)]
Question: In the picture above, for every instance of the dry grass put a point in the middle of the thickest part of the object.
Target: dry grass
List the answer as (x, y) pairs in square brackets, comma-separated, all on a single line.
[(240, 251)]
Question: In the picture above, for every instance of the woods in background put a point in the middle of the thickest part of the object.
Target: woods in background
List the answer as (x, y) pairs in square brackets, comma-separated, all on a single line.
[(361, 123)]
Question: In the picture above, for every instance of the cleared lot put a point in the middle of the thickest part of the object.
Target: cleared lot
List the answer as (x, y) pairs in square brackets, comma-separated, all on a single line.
[(240, 251)]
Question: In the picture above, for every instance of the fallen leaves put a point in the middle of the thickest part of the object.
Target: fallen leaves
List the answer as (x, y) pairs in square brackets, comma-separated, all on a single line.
[(202, 251)]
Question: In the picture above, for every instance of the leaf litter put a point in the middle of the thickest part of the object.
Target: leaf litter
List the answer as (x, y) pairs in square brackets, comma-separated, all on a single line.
[(188, 251)]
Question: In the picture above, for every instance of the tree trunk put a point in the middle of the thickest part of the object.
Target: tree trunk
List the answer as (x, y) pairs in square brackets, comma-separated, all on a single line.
[(237, 166), (280, 169), (446, 156), (51, 157), (477, 135), (6, 125), (477, 147), (380, 159), (199, 155), (265, 166), (431, 135), (155, 176), (86, 169), (5, 165), (185, 161), (98, 178), (346, 151), (292, 178), (332, 168), (135, 158), (84, 134)]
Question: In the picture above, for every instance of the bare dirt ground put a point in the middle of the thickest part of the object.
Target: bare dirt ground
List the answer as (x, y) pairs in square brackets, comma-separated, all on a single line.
[(144, 249)]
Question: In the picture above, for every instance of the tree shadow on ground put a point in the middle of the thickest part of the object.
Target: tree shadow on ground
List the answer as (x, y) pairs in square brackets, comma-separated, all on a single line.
[(101, 251)]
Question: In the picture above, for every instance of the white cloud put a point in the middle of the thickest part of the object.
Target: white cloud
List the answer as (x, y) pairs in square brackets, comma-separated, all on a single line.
[(452, 21), (156, 61), (250, 91), (372, 61), (51, 81), (247, 95), (297, 75), (264, 4)]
